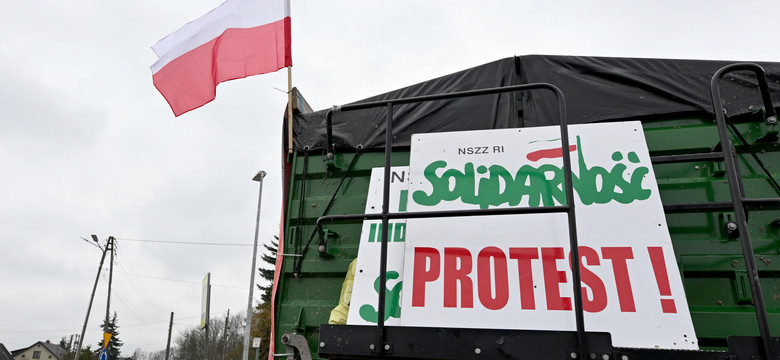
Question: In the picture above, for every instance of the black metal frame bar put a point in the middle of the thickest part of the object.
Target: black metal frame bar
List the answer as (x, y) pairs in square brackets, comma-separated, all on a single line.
[(720, 205), (347, 342), (670, 159), (738, 193), (380, 346)]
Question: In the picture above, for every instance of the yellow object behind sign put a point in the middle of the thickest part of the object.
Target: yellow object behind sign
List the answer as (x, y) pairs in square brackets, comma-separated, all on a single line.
[(338, 316)]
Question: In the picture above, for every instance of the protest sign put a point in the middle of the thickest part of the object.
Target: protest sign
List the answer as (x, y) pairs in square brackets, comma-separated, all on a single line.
[(513, 271)]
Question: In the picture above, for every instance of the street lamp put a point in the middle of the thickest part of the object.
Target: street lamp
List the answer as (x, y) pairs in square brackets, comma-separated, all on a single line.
[(245, 356)]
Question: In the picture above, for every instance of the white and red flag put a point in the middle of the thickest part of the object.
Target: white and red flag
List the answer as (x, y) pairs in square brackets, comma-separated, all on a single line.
[(239, 38)]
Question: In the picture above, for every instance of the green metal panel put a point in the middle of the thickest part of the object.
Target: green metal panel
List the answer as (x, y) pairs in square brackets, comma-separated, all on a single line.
[(305, 299), (711, 262)]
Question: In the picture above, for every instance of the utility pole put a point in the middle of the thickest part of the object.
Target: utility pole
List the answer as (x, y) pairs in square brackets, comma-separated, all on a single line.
[(168, 346), (110, 277), (91, 297), (245, 355), (75, 342), (224, 335)]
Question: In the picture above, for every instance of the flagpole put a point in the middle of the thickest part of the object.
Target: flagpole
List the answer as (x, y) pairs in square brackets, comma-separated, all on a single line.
[(289, 111)]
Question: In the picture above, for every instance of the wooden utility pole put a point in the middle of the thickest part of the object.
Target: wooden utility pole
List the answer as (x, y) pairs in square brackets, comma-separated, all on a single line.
[(168, 346), (224, 335), (110, 244)]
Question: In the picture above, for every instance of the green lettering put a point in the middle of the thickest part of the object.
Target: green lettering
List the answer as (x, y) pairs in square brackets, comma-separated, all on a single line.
[(438, 184), (543, 185)]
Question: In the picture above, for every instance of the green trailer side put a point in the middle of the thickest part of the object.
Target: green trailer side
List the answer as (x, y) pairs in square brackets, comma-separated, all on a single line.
[(708, 255)]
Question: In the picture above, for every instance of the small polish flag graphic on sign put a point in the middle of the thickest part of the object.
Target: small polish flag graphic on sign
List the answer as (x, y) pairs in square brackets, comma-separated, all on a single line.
[(552, 153)]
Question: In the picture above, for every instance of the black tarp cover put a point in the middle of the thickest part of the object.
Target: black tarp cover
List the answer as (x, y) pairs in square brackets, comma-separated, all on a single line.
[(596, 89)]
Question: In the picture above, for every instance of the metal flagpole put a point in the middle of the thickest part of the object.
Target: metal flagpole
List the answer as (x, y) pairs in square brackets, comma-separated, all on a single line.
[(245, 356)]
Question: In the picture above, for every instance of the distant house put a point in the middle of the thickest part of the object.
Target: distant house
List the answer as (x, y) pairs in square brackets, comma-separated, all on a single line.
[(42, 350), (5, 354)]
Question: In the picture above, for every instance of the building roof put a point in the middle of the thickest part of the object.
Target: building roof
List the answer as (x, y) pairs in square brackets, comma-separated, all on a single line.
[(56, 350)]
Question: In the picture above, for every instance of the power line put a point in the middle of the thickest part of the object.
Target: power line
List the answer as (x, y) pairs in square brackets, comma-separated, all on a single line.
[(138, 285), (147, 323), (37, 332), (183, 281), (183, 242), (165, 321)]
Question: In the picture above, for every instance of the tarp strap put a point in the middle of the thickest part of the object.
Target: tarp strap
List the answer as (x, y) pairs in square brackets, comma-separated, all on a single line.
[(298, 239), (755, 156), (358, 152)]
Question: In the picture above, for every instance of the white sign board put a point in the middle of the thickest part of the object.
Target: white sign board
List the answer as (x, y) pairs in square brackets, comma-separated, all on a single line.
[(512, 271), (363, 304)]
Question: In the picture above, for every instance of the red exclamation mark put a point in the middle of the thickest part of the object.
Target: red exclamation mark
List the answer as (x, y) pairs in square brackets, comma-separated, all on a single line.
[(661, 277)]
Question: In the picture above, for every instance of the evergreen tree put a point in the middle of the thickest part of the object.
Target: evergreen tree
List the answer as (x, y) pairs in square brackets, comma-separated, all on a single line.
[(64, 343), (88, 354), (261, 319), (114, 343), (268, 274)]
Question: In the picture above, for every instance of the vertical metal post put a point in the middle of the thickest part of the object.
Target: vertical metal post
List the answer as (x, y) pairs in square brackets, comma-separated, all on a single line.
[(329, 132), (380, 321), (208, 320), (205, 314), (245, 354), (572, 219), (80, 340)]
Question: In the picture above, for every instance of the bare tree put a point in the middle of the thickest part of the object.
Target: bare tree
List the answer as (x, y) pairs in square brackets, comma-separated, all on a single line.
[(225, 345)]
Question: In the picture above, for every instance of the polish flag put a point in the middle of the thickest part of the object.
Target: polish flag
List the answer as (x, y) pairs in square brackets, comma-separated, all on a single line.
[(240, 38)]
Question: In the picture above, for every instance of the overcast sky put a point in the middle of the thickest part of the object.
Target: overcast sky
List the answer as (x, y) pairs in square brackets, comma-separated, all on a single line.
[(88, 145)]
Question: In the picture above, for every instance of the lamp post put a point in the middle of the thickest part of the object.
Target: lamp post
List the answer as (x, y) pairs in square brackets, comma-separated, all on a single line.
[(245, 356)]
